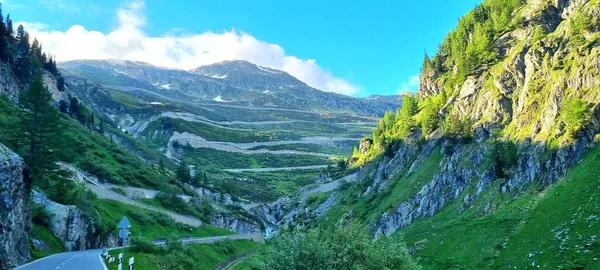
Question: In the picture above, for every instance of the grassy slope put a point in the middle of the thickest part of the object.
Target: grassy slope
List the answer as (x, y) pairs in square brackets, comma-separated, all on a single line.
[(207, 256), (52, 242), (149, 224), (557, 228)]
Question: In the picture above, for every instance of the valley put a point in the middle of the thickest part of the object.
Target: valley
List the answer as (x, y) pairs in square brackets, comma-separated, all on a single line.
[(492, 164)]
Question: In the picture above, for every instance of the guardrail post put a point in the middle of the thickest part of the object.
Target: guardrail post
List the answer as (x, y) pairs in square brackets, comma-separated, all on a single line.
[(120, 267)]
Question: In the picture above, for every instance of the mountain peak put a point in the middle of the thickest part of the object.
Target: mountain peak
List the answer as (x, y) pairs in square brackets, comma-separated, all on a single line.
[(245, 74), (220, 69)]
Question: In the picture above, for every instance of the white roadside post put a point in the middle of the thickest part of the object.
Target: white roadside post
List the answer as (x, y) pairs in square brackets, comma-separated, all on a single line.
[(120, 267), (131, 263)]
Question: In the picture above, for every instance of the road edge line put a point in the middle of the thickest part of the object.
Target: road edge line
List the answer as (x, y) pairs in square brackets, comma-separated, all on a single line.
[(102, 261), (40, 259)]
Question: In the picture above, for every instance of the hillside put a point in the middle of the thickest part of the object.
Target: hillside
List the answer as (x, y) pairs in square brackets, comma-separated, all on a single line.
[(487, 167)]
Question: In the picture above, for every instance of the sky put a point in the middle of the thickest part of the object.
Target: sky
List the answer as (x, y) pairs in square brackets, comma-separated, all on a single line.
[(352, 47)]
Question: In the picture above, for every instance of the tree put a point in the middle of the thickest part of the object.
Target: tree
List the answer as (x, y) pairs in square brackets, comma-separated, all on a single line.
[(405, 118), (101, 131), (9, 26), (183, 173), (63, 107), (22, 66), (342, 247), (575, 114), (3, 43), (40, 124), (161, 162), (75, 109)]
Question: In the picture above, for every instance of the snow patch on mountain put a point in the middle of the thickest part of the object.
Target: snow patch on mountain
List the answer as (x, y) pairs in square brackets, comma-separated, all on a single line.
[(219, 99)]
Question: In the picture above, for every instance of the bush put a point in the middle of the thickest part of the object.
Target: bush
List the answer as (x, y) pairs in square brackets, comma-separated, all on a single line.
[(173, 244), (40, 215), (344, 247), (143, 245)]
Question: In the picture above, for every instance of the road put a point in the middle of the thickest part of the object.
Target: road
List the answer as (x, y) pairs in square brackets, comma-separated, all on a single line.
[(88, 259), (91, 260), (280, 169)]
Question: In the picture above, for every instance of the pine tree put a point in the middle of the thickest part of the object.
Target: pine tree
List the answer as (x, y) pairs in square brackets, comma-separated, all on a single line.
[(22, 66), (9, 26), (205, 180), (91, 121), (101, 131), (63, 107), (40, 124), (3, 43), (74, 108), (161, 164), (183, 173)]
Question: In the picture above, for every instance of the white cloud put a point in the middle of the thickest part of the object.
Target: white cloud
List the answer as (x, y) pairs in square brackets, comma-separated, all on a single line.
[(410, 85), (175, 49)]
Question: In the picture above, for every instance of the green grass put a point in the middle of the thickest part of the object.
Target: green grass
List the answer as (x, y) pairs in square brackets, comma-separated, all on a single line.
[(344, 148), (211, 132), (556, 229), (52, 243), (206, 256), (269, 186), (147, 223), (253, 262), (213, 161)]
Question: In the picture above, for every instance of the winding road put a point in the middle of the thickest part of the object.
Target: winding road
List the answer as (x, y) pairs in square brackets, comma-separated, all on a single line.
[(88, 259), (91, 259)]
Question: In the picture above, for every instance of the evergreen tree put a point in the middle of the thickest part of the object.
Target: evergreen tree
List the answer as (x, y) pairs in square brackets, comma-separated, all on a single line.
[(405, 118), (40, 124), (74, 108), (60, 83), (101, 131), (161, 162), (90, 122), (22, 66), (3, 42), (63, 107), (205, 180), (183, 173), (9, 26)]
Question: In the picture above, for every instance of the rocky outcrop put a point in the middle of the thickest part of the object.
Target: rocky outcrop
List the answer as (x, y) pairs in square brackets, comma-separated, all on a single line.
[(76, 230), (233, 223), (15, 213), (9, 86)]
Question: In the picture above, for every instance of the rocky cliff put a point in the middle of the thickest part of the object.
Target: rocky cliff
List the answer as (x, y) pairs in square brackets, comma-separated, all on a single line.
[(527, 115), (76, 230), (15, 216)]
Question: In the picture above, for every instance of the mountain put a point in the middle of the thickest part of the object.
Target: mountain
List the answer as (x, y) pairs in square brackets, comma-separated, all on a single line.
[(231, 82), (494, 165)]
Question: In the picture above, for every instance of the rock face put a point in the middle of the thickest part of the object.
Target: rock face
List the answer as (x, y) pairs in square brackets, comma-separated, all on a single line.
[(525, 95), (76, 230), (230, 222), (9, 86), (15, 213)]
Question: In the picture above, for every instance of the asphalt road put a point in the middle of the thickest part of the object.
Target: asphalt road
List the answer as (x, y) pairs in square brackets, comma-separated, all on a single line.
[(88, 260)]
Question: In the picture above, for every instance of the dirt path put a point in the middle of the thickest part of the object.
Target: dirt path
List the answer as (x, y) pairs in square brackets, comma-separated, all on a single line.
[(195, 141), (281, 169)]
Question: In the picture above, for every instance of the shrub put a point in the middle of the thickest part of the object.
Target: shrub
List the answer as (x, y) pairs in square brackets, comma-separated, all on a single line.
[(143, 245), (344, 247), (40, 215)]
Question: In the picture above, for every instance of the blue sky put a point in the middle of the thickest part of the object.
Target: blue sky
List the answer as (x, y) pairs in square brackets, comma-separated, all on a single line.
[(353, 47)]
